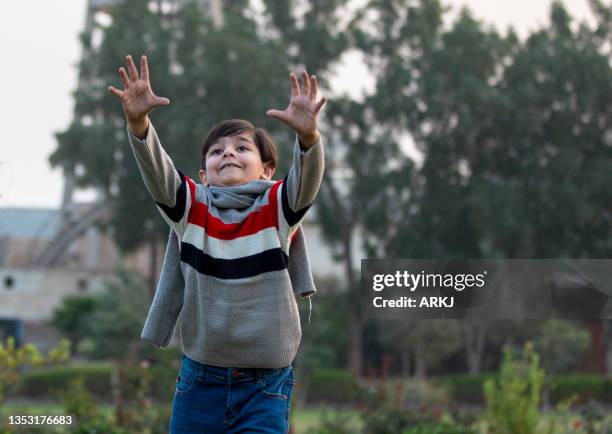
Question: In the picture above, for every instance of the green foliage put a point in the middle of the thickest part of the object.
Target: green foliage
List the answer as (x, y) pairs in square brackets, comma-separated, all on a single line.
[(383, 414), (561, 344), (78, 401), (12, 359), (584, 387), (324, 342), (465, 388), (504, 126), (428, 341), (333, 386), (513, 400), (333, 423), (51, 381), (439, 428), (73, 316), (120, 312)]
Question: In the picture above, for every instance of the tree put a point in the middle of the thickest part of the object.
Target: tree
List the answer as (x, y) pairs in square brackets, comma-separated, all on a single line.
[(209, 73), (427, 342), (560, 345), (505, 128), (72, 318), (115, 327)]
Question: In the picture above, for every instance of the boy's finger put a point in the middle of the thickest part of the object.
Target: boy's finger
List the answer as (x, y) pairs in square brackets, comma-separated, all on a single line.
[(277, 114), (144, 68), (158, 101), (314, 87), (124, 78), (320, 104), (306, 83), (132, 68), (115, 91), (295, 86)]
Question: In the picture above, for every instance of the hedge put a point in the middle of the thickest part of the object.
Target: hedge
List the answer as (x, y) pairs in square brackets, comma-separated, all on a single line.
[(468, 389)]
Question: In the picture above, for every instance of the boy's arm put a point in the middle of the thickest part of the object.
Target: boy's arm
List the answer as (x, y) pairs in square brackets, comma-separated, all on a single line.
[(302, 183), (300, 186), (169, 188)]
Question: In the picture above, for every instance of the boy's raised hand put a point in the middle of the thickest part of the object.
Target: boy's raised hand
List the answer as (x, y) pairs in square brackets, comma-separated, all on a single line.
[(303, 109), (137, 97)]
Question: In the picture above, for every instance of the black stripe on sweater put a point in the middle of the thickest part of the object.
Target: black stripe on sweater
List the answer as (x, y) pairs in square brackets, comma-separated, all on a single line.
[(176, 212), (239, 268), (291, 216)]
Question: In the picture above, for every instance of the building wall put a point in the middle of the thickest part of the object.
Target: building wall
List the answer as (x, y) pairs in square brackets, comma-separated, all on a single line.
[(32, 295)]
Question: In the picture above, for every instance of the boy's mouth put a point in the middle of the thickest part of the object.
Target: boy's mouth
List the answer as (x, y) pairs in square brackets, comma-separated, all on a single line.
[(226, 165)]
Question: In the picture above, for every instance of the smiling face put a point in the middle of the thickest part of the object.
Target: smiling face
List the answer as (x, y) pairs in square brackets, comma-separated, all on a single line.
[(234, 160)]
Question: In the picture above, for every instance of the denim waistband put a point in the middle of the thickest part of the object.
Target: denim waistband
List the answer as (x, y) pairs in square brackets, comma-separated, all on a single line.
[(229, 374)]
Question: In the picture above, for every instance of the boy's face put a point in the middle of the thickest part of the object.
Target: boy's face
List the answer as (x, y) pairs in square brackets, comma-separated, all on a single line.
[(234, 160)]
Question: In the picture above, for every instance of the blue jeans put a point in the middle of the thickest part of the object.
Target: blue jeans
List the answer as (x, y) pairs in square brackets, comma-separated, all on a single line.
[(210, 399)]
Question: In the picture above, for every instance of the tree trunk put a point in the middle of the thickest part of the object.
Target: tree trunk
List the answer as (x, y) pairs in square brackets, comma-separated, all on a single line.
[(116, 383), (420, 366), (474, 341), (356, 338), (405, 358)]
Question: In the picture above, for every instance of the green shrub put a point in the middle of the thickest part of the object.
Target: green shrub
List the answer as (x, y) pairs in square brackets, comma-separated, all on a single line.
[(584, 386), (468, 389), (333, 386), (465, 388), (439, 428), (47, 383), (513, 399)]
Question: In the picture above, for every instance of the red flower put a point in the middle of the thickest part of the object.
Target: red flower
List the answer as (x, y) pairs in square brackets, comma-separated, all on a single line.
[(577, 424)]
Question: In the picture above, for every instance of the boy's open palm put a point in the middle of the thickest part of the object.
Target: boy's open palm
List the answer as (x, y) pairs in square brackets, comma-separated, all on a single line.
[(137, 96), (303, 109)]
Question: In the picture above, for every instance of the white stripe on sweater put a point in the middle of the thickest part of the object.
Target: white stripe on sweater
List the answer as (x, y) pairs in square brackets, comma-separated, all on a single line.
[(248, 245)]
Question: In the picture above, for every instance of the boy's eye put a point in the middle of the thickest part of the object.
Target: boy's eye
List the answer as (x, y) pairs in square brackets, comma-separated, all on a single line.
[(243, 148), (215, 152)]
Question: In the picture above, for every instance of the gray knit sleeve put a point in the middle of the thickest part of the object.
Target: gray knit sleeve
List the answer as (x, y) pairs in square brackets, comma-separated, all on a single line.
[(168, 187), (304, 178)]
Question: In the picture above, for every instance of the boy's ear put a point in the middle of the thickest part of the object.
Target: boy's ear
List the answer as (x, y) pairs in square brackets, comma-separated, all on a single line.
[(268, 170), (202, 174)]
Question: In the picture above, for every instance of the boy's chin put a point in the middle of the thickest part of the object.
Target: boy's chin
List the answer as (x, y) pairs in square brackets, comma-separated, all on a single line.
[(231, 182)]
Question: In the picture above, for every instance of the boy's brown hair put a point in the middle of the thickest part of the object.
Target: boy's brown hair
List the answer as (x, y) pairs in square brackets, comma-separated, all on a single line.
[(231, 127)]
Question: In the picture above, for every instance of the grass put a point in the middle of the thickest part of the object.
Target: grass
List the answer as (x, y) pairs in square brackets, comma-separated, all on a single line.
[(311, 417)]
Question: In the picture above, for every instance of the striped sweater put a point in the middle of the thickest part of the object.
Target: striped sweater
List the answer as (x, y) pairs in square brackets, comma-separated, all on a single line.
[(239, 308)]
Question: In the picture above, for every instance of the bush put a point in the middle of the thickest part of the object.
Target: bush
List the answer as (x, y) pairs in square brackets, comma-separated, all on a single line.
[(465, 389), (48, 382), (584, 386), (439, 428), (333, 386), (513, 399)]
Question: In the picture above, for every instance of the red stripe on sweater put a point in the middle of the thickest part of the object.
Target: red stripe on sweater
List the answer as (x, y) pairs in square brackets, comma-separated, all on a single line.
[(265, 217)]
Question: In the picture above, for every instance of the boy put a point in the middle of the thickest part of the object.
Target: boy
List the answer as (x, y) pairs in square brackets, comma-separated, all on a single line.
[(240, 327)]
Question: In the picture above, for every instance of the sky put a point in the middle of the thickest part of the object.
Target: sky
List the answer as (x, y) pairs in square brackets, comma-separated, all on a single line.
[(39, 73)]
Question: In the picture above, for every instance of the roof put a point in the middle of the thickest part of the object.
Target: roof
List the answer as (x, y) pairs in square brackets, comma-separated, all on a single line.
[(40, 223)]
